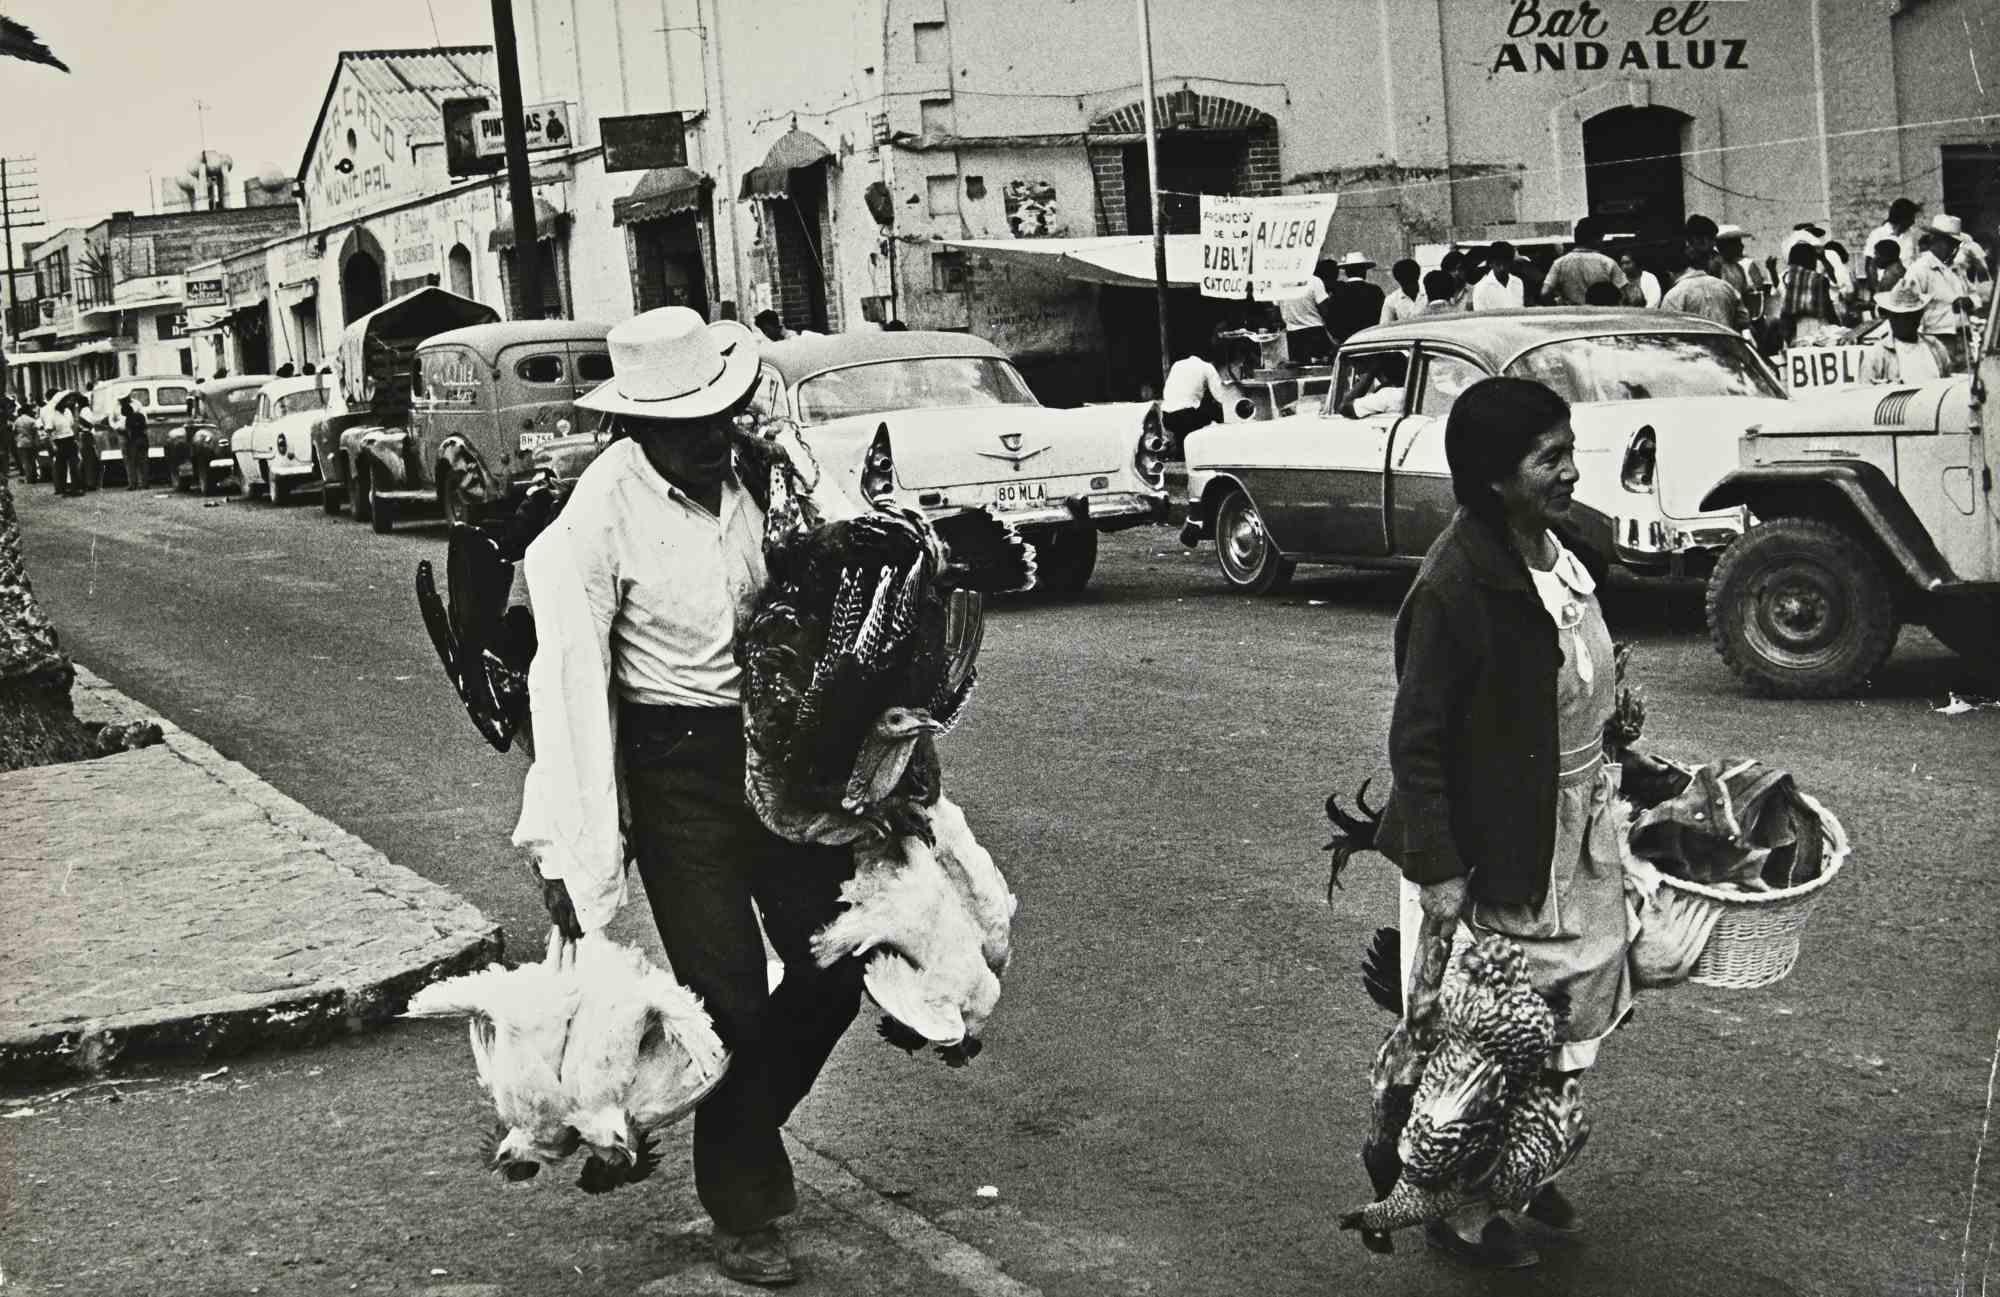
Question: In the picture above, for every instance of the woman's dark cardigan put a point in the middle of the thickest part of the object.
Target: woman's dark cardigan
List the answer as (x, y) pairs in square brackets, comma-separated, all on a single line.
[(1472, 743)]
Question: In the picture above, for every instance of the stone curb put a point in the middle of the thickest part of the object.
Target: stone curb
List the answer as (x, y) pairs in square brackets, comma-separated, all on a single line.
[(369, 995)]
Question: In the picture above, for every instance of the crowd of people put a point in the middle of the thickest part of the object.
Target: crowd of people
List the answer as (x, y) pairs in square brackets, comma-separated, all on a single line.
[(1810, 290), (65, 429)]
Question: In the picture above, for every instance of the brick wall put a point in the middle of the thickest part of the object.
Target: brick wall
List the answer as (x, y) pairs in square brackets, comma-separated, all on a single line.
[(1257, 172), (168, 244)]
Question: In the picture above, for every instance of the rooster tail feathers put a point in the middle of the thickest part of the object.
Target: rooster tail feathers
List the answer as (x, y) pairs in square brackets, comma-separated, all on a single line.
[(1382, 969), (985, 553), (1352, 833)]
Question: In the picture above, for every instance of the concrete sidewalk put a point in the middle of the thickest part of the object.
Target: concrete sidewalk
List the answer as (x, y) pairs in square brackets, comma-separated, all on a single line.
[(168, 902)]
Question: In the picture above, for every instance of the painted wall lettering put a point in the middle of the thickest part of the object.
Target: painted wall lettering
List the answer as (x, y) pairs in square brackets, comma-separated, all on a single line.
[(1574, 38)]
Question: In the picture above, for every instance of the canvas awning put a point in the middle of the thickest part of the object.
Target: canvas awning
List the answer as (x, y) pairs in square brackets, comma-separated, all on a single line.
[(1117, 261), (548, 223), (660, 193), (149, 304), (102, 346), (794, 151)]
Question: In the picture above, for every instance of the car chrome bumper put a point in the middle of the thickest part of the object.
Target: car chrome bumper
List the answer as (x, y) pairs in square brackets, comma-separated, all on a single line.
[(1662, 546), (1113, 511), (292, 470)]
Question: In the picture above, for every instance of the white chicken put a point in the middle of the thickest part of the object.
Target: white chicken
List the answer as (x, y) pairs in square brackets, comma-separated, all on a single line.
[(519, 1022), (934, 924), (641, 1054)]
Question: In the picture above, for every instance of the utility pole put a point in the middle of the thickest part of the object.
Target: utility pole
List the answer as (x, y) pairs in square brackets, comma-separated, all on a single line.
[(520, 185), (1153, 180), (14, 190)]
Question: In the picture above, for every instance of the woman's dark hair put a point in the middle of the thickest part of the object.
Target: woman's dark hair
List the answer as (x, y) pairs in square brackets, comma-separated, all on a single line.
[(1601, 293), (1803, 256), (1490, 430), (1439, 286), (1887, 250)]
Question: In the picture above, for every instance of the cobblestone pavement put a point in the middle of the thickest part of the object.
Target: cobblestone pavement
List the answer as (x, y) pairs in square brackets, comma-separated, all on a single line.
[(169, 901)]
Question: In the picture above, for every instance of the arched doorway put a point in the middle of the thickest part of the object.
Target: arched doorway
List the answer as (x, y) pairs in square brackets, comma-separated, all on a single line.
[(1207, 145), (459, 262), (362, 287), (1632, 170)]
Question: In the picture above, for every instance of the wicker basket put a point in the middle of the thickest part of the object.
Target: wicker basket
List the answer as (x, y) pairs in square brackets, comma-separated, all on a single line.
[(1756, 936)]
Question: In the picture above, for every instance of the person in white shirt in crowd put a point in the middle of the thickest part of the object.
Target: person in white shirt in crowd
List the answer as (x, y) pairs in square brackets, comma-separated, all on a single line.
[(1743, 273), (1906, 355), (1976, 270), (1306, 338), (1573, 273), (1441, 290), (1195, 393), (1642, 286), (637, 589), (1406, 300), (1947, 299), (1901, 227), (1500, 287)]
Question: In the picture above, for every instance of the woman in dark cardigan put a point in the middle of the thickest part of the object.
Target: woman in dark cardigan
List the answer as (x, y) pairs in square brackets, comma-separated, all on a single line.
[(1499, 815)]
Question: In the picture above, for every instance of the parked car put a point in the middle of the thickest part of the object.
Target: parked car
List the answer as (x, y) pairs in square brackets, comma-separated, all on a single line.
[(273, 452), (942, 421), (1875, 508), (200, 455), (162, 398), (492, 406), (1657, 402), (367, 447)]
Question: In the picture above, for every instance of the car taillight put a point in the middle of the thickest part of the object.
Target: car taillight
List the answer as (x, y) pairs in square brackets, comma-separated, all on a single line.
[(281, 445), (1641, 454), (878, 469), (1150, 459)]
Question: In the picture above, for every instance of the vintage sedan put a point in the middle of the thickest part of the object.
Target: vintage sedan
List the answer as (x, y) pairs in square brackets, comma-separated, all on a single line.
[(274, 451), (1657, 401), (162, 398), (200, 456), (943, 421)]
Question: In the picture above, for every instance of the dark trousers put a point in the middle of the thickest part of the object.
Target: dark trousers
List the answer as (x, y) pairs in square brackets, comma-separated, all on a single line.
[(135, 466), (1179, 423), (67, 470), (704, 857)]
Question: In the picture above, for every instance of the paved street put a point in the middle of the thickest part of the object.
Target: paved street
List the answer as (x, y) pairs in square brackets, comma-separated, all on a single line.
[(1173, 1089)]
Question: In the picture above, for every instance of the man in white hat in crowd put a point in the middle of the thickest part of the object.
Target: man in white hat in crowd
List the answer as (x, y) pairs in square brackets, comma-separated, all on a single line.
[(1947, 299), (1743, 273), (1906, 355), (637, 589), (1352, 303)]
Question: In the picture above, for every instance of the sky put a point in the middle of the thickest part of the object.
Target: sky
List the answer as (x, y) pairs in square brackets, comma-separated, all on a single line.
[(127, 106)]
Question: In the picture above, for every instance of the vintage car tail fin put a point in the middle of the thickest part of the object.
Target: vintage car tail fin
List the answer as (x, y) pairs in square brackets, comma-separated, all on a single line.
[(1150, 458), (1641, 460), (878, 470)]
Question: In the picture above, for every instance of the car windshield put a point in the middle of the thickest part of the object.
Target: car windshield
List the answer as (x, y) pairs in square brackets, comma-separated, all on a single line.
[(1637, 366), (231, 410), (914, 383), (313, 398)]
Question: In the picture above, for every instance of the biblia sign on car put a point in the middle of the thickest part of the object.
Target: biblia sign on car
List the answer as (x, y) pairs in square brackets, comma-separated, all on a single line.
[(1546, 37)]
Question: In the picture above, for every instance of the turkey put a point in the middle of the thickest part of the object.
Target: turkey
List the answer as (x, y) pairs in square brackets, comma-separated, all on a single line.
[(931, 919), (519, 1022), (641, 1053)]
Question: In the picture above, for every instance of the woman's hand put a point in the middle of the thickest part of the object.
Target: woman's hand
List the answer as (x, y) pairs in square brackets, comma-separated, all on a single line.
[(1445, 899)]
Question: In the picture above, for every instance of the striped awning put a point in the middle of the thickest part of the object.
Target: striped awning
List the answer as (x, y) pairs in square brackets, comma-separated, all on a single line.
[(660, 193), (795, 151), (548, 223)]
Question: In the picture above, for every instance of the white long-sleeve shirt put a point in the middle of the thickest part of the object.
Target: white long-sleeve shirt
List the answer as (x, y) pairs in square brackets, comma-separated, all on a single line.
[(637, 591)]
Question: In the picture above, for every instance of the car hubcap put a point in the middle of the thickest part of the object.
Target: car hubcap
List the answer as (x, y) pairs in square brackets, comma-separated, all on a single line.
[(1800, 616), (1242, 540)]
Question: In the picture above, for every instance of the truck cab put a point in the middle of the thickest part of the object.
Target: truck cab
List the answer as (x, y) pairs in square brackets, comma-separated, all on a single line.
[(1875, 509)]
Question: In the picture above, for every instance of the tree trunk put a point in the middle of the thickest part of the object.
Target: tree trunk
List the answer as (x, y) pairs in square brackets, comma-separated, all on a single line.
[(37, 724)]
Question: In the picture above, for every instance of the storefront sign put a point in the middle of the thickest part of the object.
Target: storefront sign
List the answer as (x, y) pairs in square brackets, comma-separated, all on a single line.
[(547, 127), (1265, 246), (643, 142), (1225, 246), (1546, 37), (206, 292), (1821, 368), (411, 246)]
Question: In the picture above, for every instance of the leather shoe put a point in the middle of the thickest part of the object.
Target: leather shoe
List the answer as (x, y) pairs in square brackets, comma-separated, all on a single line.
[(758, 1257), (1552, 1211), (1500, 1246)]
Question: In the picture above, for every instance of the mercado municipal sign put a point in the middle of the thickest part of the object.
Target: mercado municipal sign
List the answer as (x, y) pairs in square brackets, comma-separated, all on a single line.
[(1547, 37)]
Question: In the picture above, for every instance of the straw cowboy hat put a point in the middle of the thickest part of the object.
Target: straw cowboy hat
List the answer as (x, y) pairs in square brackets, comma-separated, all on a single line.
[(1356, 259), (1944, 223), (672, 364), (1731, 232), (1900, 300)]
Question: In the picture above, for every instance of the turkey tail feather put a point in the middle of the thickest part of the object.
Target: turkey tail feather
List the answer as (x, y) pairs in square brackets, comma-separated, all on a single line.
[(985, 553), (1354, 833), (1382, 969)]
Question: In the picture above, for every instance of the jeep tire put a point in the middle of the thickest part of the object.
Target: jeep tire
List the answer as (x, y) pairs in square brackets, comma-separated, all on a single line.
[(1799, 608)]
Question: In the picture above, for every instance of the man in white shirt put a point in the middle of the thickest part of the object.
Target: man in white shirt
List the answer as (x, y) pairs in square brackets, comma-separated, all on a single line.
[(1306, 338), (1500, 287), (637, 588), (1947, 299), (1900, 228), (1194, 394), (1569, 279), (1406, 300), (1906, 355)]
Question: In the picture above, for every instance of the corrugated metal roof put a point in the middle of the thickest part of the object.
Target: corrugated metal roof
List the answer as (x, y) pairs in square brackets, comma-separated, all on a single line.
[(411, 86)]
